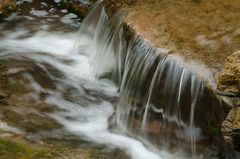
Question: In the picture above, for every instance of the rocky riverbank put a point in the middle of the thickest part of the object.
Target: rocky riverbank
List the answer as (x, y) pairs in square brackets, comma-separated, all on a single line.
[(200, 35)]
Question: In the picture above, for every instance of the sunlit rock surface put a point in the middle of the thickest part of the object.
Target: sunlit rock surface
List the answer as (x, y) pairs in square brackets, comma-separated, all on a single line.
[(203, 33), (229, 80)]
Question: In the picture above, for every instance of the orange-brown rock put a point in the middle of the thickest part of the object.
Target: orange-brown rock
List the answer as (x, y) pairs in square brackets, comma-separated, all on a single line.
[(229, 80), (205, 32), (6, 6), (231, 123)]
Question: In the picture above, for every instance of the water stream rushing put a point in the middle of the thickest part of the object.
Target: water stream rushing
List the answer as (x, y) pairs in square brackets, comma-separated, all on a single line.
[(120, 113)]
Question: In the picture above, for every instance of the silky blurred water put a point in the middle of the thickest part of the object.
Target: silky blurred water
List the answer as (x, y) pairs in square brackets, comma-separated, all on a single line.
[(46, 34)]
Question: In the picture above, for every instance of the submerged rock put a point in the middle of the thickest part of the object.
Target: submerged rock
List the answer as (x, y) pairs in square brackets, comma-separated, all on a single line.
[(6, 7), (24, 85), (26, 129)]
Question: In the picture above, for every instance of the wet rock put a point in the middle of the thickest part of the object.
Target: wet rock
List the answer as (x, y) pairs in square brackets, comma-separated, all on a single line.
[(205, 32), (229, 80), (81, 8), (6, 7), (192, 40), (236, 139), (231, 128), (24, 86), (2, 96)]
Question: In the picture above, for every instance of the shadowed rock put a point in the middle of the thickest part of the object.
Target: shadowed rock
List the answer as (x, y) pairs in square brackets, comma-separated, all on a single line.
[(231, 126), (236, 139)]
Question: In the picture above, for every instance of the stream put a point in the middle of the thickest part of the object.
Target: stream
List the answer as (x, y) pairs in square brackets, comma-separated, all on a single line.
[(85, 103)]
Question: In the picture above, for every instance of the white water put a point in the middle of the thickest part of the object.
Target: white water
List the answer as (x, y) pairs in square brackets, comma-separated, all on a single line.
[(94, 127), (90, 120)]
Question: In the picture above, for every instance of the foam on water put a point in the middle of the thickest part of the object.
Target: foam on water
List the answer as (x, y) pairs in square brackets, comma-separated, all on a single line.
[(77, 55), (4, 126), (53, 48), (96, 127)]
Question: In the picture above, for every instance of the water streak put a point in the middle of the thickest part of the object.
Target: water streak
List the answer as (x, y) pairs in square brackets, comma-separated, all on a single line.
[(157, 98), (154, 89)]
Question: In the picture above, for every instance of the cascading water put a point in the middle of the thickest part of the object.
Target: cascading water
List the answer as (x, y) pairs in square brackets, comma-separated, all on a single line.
[(155, 91), (152, 109)]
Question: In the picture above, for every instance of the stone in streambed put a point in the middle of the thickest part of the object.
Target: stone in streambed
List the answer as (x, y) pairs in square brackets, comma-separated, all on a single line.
[(23, 92), (80, 8), (6, 7)]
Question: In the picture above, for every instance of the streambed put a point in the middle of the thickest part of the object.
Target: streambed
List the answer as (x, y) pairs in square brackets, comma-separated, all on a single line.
[(49, 87)]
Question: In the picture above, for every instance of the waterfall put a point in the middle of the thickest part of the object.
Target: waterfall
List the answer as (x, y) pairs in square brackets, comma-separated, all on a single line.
[(155, 109), (154, 89), (104, 37)]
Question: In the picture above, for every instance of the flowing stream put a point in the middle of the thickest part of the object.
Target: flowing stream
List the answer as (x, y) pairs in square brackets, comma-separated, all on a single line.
[(119, 112)]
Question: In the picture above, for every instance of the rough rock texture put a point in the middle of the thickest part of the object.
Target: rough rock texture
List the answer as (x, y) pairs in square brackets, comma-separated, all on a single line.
[(230, 125), (203, 33), (229, 80), (6, 6)]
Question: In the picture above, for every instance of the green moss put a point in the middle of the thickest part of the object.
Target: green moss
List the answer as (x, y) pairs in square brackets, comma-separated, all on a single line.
[(14, 150), (96, 154), (10, 149), (213, 129)]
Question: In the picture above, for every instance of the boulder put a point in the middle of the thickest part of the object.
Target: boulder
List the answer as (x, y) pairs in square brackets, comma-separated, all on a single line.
[(229, 80), (231, 128)]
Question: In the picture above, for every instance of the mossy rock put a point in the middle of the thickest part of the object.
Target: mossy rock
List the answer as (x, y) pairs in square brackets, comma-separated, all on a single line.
[(10, 149)]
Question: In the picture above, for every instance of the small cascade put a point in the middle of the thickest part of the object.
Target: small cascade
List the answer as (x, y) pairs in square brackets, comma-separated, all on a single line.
[(104, 37), (160, 101), (103, 85)]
